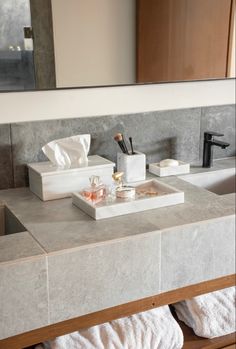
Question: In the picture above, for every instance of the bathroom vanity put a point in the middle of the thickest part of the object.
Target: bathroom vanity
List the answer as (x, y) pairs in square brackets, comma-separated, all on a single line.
[(63, 271)]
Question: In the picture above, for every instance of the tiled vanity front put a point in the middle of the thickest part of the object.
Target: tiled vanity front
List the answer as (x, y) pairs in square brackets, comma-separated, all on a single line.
[(23, 286), (68, 264)]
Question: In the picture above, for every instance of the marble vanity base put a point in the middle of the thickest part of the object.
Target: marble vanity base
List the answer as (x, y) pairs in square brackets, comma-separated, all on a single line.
[(68, 265)]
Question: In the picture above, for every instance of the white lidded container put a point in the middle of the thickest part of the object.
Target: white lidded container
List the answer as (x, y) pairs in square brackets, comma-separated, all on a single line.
[(133, 166), (49, 182)]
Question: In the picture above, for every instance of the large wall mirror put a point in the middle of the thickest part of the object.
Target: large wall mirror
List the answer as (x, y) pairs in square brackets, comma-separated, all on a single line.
[(47, 44)]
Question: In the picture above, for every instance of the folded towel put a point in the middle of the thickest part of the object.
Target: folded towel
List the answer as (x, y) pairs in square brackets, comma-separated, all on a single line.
[(153, 329), (210, 315)]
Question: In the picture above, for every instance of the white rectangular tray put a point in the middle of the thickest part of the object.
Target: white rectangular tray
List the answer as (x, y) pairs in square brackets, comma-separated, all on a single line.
[(169, 171), (167, 196)]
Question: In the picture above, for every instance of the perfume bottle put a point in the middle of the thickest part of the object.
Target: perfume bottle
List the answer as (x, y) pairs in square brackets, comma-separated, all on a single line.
[(117, 177), (122, 191), (111, 189), (96, 192)]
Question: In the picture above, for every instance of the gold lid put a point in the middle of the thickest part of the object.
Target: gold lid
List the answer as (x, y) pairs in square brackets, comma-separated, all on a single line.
[(117, 176)]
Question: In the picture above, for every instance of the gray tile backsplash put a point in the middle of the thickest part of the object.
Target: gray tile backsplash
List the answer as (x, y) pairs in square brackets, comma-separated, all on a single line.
[(220, 119), (160, 134)]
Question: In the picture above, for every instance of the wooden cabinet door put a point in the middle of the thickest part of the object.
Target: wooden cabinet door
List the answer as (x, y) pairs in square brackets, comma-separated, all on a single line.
[(182, 39)]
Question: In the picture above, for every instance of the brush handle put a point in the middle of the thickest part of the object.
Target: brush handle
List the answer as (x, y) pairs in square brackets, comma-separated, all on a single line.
[(125, 147), (121, 146), (131, 144)]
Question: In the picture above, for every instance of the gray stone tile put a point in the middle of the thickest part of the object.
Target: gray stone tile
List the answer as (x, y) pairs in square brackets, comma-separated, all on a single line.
[(220, 119), (158, 134), (59, 225), (228, 200), (23, 296), (166, 134), (18, 246), (103, 276), (194, 253), (6, 175)]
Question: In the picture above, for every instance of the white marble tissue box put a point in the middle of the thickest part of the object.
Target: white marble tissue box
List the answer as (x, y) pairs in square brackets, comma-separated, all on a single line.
[(156, 169), (133, 166), (49, 182)]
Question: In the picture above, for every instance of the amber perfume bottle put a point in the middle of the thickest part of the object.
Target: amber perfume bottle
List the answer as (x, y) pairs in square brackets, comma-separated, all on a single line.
[(96, 192)]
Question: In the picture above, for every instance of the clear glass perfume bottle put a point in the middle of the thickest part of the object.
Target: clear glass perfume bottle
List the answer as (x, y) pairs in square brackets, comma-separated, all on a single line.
[(96, 192), (112, 187), (118, 179), (122, 191)]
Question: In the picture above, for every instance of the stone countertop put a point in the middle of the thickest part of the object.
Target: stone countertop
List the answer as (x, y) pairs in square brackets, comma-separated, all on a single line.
[(58, 225), (220, 164), (66, 264)]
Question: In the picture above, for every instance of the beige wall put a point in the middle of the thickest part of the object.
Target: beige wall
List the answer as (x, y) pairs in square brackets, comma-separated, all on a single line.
[(107, 56), (85, 102)]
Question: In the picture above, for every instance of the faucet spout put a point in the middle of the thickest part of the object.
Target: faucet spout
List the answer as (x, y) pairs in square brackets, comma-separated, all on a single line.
[(220, 144), (209, 141)]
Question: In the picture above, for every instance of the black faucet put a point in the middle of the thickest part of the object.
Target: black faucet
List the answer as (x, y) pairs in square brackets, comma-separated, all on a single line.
[(209, 141)]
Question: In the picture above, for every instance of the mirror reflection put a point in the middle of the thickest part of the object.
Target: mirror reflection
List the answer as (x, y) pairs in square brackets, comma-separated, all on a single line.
[(46, 44)]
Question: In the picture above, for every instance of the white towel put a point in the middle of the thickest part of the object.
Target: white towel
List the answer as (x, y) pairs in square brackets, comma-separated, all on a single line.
[(210, 315), (153, 329)]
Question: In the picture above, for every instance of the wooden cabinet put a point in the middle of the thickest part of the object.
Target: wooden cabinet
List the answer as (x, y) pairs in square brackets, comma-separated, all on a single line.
[(184, 39)]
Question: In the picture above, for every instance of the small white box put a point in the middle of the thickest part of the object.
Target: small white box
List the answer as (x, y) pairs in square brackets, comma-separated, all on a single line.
[(133, 166), (182, 168), (167, 196), (49, 182)]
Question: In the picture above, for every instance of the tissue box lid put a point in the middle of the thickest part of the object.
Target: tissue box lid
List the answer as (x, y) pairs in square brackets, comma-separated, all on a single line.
[(46, 168)]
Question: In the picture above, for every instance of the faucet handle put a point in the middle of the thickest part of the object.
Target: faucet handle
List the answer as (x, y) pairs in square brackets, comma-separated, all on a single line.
[(213, 133), (208, 135)]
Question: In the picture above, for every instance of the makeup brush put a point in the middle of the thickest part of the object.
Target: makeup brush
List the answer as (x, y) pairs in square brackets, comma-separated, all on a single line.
[(119, 139), (123, 139), (131, 145)]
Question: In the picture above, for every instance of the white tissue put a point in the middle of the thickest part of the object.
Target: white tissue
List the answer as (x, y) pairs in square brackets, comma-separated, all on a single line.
[(68, 152)]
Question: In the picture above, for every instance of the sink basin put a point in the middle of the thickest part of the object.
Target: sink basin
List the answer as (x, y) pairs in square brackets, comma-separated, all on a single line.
[(9, 224), (219, 182)]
